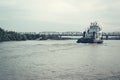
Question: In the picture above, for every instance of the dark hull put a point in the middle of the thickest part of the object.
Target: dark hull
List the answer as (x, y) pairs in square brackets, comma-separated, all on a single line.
[(88, 40)]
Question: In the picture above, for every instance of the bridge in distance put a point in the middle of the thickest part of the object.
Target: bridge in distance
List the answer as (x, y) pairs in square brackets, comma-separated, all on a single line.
[(70, 33), (104, 34), (77, 33)]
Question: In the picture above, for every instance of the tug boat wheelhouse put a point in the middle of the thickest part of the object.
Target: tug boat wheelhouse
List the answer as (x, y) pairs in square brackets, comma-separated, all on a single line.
[(92, 35)]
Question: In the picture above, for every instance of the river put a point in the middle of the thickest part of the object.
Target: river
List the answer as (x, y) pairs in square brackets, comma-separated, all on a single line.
[(59, 60)]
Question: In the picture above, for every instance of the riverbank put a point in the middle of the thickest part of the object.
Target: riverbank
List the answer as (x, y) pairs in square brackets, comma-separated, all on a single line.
[(15, 36)]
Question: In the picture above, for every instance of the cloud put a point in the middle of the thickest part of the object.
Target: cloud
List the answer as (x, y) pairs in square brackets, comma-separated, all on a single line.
[(60, 12)]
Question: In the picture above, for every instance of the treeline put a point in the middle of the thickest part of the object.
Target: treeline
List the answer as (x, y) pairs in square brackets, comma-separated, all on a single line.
[(14, 36)]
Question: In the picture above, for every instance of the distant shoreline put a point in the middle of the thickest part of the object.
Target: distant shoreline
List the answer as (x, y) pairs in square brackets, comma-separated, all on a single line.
[(15, 36)]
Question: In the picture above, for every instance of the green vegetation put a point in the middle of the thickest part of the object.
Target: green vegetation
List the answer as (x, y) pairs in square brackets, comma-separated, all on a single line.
[(14, 36)]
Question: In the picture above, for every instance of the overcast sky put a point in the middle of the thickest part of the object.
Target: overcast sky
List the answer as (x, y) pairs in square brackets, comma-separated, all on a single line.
[(59, 15)]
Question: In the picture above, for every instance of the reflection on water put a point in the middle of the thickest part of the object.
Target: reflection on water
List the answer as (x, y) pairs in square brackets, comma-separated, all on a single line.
[(59, 60)]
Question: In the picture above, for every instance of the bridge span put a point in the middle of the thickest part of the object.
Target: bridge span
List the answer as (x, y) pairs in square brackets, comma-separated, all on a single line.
[(77, 33), (105, 35)]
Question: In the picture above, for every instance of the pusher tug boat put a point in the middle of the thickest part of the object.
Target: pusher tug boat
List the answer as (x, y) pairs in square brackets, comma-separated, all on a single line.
[(92, 35)]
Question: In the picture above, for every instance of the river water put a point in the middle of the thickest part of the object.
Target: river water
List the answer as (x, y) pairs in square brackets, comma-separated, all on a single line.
[(59, 60)]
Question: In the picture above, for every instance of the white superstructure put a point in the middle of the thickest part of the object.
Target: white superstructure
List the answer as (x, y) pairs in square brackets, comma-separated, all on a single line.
[(94, 31)]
